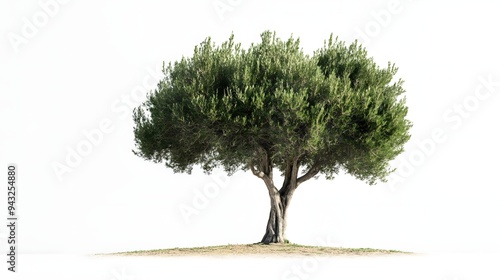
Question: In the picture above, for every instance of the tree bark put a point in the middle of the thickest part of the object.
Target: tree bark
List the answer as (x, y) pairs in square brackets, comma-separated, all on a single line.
[(276, 224), (280, 199)]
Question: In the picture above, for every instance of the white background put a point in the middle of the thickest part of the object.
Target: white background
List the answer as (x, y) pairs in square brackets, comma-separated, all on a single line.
[(69, 69)]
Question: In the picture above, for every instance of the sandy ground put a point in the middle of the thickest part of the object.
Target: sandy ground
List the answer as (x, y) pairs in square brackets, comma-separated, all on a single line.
[(261, 249)]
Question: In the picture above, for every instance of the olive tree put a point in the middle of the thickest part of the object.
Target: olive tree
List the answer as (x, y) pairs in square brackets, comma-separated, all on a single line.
[(271, 107)]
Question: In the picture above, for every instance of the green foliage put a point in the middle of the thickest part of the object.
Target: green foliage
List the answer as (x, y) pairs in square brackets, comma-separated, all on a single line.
[(225, 106)]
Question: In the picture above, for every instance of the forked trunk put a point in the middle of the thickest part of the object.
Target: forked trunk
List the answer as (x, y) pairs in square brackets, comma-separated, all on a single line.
[(280, 199)]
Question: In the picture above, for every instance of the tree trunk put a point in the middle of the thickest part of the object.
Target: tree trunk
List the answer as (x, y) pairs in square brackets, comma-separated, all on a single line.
[(280, 199), (276, 225)]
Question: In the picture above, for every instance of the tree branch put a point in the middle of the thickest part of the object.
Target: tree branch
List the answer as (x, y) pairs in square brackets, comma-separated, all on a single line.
[(309, 174), (265, 177), (256, 172), (295, 173), (266, 165), (290, 180), (287, 177)]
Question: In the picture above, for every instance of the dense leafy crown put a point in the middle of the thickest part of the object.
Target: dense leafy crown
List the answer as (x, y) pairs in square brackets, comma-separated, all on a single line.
[(226, 106)]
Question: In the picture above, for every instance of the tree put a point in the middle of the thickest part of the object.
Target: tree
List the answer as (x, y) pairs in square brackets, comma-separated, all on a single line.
[(271, 107)]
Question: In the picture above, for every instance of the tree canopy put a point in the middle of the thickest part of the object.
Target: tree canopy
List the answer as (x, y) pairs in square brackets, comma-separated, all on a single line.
[(271, 105)]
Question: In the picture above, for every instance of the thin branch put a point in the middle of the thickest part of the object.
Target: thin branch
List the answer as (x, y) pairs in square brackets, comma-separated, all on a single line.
[(309, 174)]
